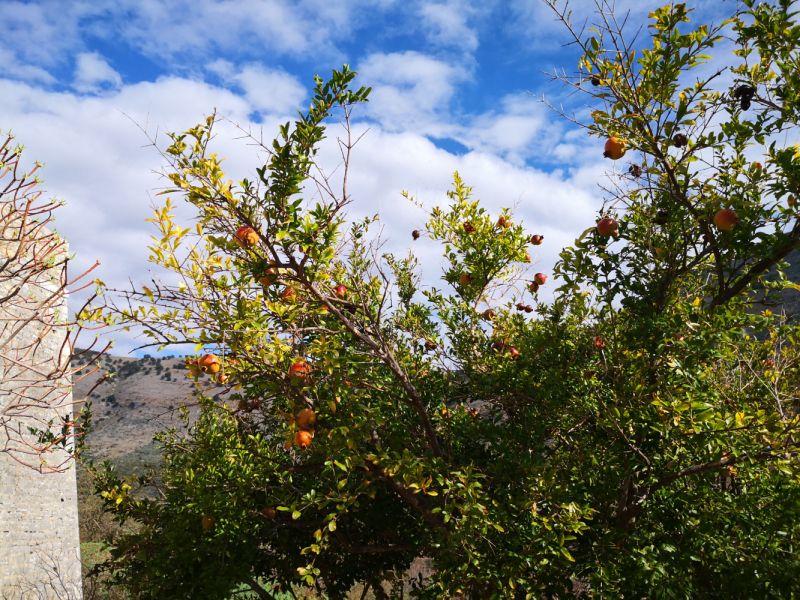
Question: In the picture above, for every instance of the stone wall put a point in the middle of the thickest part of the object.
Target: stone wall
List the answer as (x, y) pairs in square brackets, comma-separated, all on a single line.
[(39, 540)]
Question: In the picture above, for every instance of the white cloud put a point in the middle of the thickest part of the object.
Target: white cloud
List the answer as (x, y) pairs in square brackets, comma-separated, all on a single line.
[(11, 67), (248, 28), (266, 90), (93, 74), (447, 23), (520, 129), (40, 36), (40, 33), (411, 91)]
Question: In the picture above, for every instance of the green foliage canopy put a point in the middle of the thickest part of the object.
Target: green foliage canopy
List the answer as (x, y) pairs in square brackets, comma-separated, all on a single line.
[(635, 437)]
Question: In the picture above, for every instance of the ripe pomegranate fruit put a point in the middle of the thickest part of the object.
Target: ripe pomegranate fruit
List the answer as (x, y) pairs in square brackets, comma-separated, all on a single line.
[(680, 140), (465, 279), (489, 314), (537, 240), (599, 342), (245, 237), (209, 363), (540, 278), (302, 439), (498, 345), (469, 227), (503, 223), (614, 149), (299, 371), (288, 295), (607, 227), (193, 368), (269, 513), (415, 234), (340, 292), (269, 277), (222, 378), (595, 80), (520, 306), (726, 219), (513, 353), (533, 287), (306, 419)]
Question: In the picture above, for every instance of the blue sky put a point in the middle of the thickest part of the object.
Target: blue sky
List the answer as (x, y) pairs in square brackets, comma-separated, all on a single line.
[(79, 81)]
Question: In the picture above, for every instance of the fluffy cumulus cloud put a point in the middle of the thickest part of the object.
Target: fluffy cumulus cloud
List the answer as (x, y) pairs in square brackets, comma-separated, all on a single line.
[(412, 91), (266, 90), (449, 23), (93, 74), (37, 35)]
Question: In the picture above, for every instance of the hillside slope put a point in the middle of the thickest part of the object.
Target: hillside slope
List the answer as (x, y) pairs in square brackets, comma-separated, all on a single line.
[(142, 397)]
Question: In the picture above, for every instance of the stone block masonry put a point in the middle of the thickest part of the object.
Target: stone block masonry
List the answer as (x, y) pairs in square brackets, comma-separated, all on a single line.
[(39, 540)]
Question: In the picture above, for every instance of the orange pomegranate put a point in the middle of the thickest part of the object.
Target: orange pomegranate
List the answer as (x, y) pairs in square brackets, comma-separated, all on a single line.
[(302, 439), (245, 237), (726, 219), (270, 276), (607, 227), (614, 149), (194, 368), (299, 371), (209, 363), (208, 522), (306, 419)]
